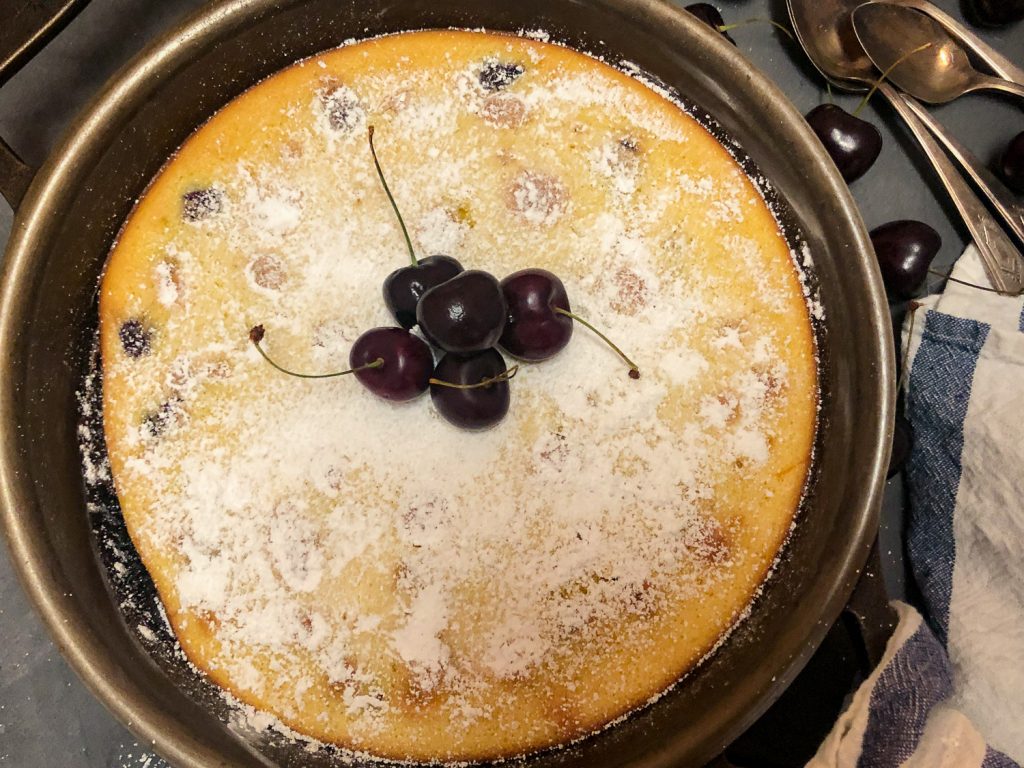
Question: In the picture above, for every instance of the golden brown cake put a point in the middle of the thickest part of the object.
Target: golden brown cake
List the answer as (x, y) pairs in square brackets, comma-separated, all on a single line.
[(369, 574)]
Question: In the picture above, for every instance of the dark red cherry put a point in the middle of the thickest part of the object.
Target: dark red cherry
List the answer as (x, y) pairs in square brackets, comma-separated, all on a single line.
[(200, 204), (1012, 165), (136, 337), (852, 143), (406, 367), (902, 439), (498, 75), (534, 331), (993, 13), (466, 405), (905, 250), (404, 287), (710, 16), (465, 314), (390, 362)]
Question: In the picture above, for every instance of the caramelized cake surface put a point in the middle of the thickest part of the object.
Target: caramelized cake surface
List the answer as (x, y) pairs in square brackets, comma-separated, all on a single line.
[(368, 573)]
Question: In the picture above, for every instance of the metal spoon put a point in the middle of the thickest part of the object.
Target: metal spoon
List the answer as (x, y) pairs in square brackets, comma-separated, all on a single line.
[(988, 55), (882, 27), (825, 30), (938, 74)]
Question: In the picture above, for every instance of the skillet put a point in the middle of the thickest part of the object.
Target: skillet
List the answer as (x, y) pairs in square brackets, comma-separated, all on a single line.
[(70, 215)]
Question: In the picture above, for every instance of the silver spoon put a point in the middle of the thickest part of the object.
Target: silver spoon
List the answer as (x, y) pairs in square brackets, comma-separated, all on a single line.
[(880, 27), (988, 55), (825, 30), (938, 74)]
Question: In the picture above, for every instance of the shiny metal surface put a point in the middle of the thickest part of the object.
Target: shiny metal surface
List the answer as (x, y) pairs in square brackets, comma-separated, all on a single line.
[(825, 31), (844, 64), (71, 213), (993, 59), (894, 38), (1005, 203)]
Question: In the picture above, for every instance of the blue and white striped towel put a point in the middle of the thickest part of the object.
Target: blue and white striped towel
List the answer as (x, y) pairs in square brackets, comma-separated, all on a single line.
[(950, 689)]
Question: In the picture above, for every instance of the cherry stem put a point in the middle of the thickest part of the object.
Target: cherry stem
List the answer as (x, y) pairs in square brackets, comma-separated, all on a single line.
[(634, 371), (387, 190), (885, 76), (914, 306), (757, 20), (255, 336), (828, 89), (961, 282), (505, 375)]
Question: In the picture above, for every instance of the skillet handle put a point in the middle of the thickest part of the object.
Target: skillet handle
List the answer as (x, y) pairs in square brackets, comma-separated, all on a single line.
[(15, 176), (869, 607), (28, 25)]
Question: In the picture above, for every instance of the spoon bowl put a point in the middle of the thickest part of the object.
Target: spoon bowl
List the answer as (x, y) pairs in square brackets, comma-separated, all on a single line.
[(825, 31), (889, 33)]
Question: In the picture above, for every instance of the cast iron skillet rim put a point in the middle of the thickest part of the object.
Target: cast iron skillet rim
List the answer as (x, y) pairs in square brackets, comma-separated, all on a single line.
[(35, 213)]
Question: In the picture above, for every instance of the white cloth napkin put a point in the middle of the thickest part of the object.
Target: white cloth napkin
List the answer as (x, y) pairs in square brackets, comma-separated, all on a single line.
[(950, 688)]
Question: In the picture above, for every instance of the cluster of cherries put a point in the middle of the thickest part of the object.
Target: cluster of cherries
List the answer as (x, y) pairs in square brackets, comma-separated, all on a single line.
[(466, 315)]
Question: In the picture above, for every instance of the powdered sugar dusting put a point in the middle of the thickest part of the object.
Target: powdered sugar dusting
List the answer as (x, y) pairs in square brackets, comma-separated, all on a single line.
[(379, 560)]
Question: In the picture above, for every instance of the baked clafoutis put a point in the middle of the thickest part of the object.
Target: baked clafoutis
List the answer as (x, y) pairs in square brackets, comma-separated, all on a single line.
[(368, 573)]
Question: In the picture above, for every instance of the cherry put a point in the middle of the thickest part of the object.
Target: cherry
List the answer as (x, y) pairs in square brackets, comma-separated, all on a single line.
[(1012, 165), (200, 204), (710, 16), (136, 338), (408, 363), (993, 13), (465, 314), (472, 391), (905, 250), (852, 143), (539, 321), (534, 331), (901, 442), (404, 287), (498, 75), (390, 362)]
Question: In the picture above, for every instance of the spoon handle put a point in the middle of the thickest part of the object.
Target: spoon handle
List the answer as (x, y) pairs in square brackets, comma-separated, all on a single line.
[(992, 58), (1001, 198), (1006, 86), (1003, 264)]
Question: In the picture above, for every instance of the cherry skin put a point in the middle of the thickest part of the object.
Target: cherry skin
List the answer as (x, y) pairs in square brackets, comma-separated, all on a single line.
[(465, 314), (905, 250), (476, 408), (993, 13), (710, 16), (534, 331), (1012, 165), (404, 287), (902, 439), (852, 143), (406, 367)]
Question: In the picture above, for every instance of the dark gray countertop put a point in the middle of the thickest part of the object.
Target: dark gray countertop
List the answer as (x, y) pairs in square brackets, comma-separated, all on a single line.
[(47, 718)]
